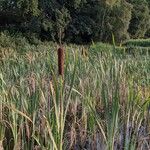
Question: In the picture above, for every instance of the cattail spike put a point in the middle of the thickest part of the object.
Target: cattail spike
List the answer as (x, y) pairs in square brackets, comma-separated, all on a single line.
[(61, 62)]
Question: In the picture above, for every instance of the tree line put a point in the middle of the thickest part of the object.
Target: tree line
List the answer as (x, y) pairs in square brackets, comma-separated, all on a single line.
[(77, 21)]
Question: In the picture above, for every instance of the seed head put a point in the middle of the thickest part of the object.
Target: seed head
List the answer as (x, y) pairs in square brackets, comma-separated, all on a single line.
[(61, 62)]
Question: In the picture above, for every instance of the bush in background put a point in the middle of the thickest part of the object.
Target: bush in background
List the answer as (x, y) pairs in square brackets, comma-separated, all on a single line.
[(76, 21)]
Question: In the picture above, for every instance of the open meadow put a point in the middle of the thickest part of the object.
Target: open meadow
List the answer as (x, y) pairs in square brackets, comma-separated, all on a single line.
[(102, 103)]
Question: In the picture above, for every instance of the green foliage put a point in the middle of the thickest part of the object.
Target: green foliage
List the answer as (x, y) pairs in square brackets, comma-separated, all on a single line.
[(77, 21), (138, 42), (18, 41), (131, 47), (97, 21), (140, 21), (103, 99), (118, 21), (86, 22), (54, 19)]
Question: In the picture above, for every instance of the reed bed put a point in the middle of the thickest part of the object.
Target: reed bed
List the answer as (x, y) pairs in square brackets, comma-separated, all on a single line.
[(103, 101)]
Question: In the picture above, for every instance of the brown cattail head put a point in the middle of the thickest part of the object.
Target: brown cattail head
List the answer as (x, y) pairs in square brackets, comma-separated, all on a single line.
[(61, 61)]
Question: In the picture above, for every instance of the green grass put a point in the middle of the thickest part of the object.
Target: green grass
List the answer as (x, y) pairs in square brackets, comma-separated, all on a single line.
[(102, 103), (138, 42)]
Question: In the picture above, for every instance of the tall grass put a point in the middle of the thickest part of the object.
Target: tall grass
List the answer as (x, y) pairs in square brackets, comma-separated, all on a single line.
[(102, 103)]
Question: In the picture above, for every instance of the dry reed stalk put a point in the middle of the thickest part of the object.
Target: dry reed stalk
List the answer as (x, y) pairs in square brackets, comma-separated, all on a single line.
[(32, 83), (1, 145), (61, 61), (84, 53)]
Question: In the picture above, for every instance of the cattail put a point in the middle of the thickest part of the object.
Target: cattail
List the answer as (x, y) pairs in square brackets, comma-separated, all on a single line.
[(61, 62)]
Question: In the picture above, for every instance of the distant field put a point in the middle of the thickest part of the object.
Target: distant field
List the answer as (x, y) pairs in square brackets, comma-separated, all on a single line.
[(102, 103)]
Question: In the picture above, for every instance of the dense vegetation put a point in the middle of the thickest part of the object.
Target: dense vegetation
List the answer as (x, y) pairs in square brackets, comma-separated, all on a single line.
[(77, 21), (102, 103)]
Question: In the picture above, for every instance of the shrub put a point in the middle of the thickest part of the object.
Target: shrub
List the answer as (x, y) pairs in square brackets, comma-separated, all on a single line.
[(138, 42), (140, 21), (15, 41)]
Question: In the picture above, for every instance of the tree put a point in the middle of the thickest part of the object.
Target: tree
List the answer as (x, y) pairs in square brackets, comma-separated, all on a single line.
[(148, 30), (140, 21), (18, 11), (118, 20), (77, 21), (54, 19), (85, 21)]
